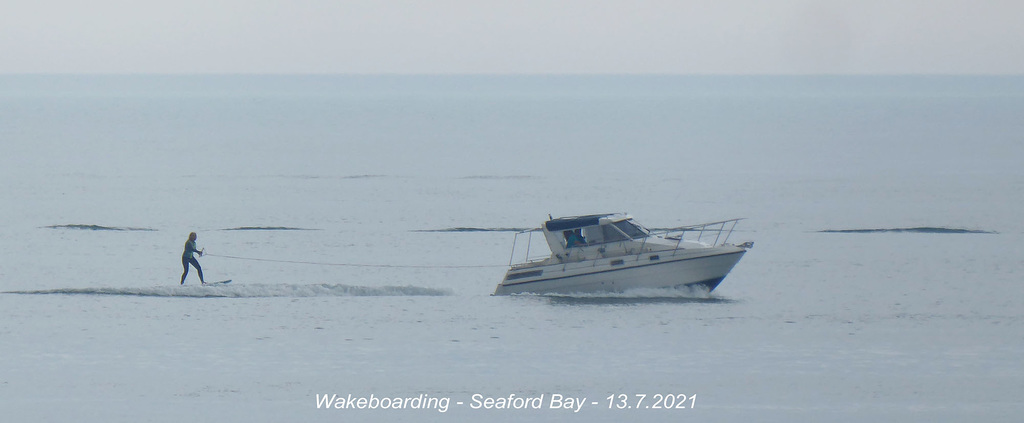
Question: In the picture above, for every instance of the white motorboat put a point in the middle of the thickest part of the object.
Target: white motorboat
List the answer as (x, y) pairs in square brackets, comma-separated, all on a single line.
[(612, 253)]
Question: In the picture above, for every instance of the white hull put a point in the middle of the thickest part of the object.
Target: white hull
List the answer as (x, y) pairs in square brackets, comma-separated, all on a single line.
[(704, 267)]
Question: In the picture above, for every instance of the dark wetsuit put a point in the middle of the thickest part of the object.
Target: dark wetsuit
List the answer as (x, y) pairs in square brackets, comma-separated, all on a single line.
[(187, 258)]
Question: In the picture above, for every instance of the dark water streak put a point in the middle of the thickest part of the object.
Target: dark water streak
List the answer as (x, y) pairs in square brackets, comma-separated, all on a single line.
[(919, 230)]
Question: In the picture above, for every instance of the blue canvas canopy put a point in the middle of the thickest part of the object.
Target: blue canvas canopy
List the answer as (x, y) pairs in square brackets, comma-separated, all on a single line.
[(566, 223)]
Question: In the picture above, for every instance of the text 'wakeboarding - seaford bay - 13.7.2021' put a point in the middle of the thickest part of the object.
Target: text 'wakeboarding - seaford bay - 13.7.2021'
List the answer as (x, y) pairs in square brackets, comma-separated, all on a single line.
[(612, 253)]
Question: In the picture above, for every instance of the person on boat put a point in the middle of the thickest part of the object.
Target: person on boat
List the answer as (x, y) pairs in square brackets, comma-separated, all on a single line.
[(573, 238), (187, 258)]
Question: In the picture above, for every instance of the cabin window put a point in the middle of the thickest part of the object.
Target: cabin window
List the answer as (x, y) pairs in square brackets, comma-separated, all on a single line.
[(600, 234), (612, 235), (633, 230), (593, 234)]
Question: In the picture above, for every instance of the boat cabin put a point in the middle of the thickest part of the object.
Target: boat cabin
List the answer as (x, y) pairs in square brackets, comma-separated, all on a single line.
[(565, 233)]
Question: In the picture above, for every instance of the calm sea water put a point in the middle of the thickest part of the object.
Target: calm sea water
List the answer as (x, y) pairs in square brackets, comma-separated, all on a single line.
[(339, 207)]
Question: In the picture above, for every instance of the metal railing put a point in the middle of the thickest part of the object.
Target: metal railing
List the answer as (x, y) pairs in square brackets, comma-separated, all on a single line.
[(717, 228), (529, 241)]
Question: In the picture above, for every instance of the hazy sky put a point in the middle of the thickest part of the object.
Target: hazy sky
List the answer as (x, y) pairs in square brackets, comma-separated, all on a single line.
[(505, 36)]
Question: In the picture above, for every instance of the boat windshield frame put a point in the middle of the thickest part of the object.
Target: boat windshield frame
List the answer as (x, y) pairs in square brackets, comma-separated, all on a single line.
[(631, 229), (611, 231)]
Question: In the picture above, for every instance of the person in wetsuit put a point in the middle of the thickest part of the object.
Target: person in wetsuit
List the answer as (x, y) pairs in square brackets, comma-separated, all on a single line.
[(187, 258)]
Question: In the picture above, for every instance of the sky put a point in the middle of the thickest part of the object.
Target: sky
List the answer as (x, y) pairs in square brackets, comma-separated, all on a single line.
[(513, 37)]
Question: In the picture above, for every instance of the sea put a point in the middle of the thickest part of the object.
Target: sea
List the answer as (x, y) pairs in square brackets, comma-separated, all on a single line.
[(365, 220)]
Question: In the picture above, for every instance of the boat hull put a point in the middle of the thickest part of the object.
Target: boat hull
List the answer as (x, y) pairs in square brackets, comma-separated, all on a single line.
[(703, 269)]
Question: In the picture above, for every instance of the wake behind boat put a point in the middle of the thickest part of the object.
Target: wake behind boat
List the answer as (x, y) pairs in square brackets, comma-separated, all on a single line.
[(613, 253)]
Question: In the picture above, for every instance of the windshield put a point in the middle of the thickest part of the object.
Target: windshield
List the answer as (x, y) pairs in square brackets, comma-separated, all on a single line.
[(633, 230), (610, 234)]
